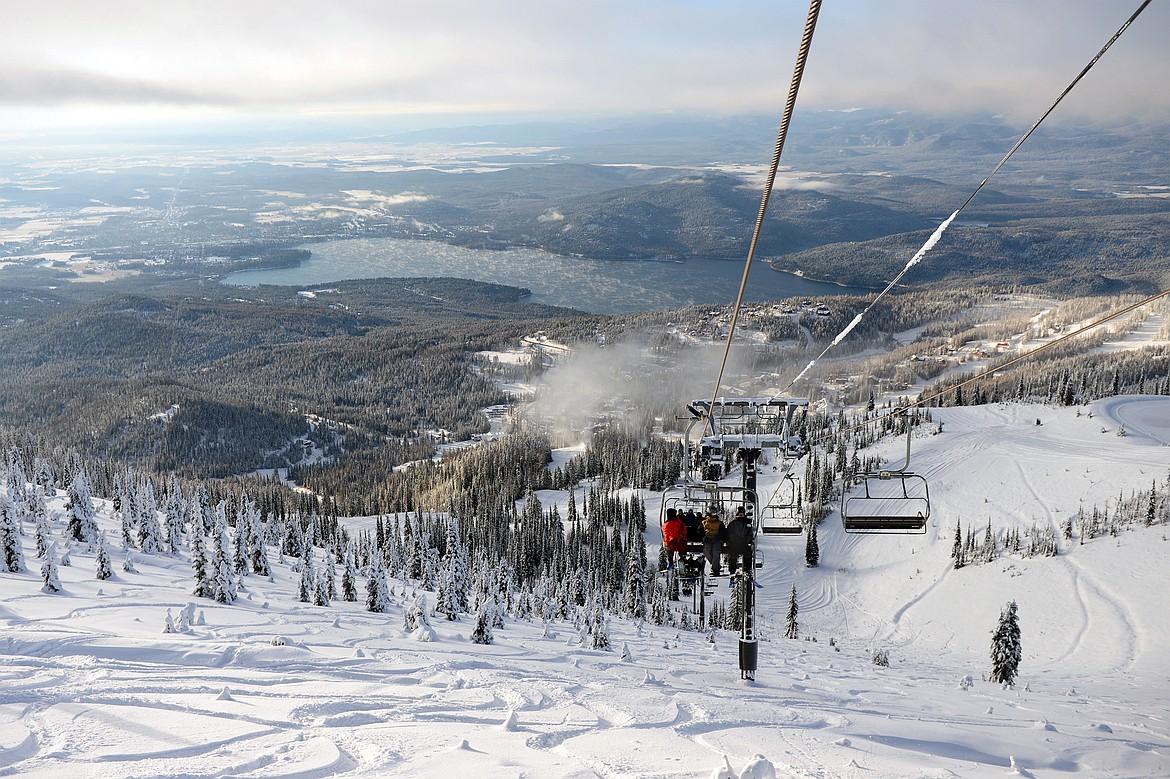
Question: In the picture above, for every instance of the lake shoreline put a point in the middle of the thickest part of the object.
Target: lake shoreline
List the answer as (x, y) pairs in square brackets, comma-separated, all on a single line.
[(596, 286)]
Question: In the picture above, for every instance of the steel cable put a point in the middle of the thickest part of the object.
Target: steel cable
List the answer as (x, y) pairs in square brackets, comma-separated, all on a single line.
[(810, 24)]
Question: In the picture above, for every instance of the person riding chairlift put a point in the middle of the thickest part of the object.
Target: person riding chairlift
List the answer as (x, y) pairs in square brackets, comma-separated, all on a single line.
[(713, 533), (739, 540), (674, 536)]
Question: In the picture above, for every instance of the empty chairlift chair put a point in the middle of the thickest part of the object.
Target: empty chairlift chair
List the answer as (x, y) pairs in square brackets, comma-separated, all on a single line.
[(782, 514), (887, 501)]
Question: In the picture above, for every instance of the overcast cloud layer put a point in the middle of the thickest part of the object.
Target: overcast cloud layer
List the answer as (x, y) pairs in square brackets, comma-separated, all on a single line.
[(101, 62)]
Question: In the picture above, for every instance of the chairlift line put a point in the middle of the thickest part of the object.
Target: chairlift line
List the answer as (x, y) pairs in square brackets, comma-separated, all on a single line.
[(926, 400), (810, 24), (936, 236), (892, 500)]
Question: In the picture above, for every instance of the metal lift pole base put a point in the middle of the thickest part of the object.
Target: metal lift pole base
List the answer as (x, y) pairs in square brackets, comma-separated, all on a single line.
[(748, 658)]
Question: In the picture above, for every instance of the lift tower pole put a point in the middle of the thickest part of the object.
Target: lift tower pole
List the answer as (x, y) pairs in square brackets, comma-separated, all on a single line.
[(748, 643)]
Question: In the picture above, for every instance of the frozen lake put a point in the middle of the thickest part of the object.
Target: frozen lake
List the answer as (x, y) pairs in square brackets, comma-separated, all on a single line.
[(597, 286)]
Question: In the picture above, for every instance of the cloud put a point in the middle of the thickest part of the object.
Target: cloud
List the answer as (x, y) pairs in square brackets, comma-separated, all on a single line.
[(604, 56), (47, 86)]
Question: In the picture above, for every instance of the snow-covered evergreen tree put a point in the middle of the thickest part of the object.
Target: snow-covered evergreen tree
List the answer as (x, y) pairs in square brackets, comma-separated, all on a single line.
[(150, 535), (241, 554), (812, 549), (52, 584), (223, 574), (957, 548), (257, 546), (82, 524), (308, 585), (329, 575), (482, 633), (445, 597), (42, 535), (104, 570), (1006, 648), (735, 610), (600, 632), (321, 591), (349, 579), (634, 590), (11, 548), (175, 513), (43, 475), (791, 627), (377, 589), (203, 588), (126, 515)]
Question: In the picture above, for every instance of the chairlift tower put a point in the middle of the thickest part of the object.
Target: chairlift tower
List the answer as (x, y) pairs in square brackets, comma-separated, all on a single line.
[(749, 425)]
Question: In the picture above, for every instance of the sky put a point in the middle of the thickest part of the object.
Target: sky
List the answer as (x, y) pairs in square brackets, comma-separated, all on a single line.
[(80, 64)]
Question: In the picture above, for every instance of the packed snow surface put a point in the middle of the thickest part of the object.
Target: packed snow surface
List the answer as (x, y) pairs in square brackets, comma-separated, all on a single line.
[(90, 686)]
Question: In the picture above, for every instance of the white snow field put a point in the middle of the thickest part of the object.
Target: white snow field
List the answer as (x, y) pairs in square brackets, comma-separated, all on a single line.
[(90, 686)]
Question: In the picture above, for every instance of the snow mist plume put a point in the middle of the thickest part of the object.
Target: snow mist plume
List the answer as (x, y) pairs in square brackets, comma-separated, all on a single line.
[(603, 383)]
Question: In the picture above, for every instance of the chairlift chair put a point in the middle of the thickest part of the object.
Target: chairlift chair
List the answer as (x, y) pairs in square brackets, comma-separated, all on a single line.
[(782, 515), (890, 501)]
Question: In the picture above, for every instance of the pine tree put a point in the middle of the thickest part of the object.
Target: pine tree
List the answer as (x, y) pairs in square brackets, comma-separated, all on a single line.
[(329, 578), (409, 619), (42, 535), (812, 550), (199, 563), (52, 584), (82, 523), (349, 579), (634, 591), (733, 620), (377, 590), (150, 539), (308, 584), (957, 548), (482, 633), (104, 571), (223, 574), (11, 549), (600, 633), (175, 511), (1006, 649), (791, 628)]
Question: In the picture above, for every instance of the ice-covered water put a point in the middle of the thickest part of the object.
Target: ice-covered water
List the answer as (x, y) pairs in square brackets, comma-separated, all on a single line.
[(597, 286)]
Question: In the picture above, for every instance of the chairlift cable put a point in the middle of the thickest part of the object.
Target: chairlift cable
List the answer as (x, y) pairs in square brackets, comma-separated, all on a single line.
[(798, 73), (1032, 353), (937, 235), (926, 400)]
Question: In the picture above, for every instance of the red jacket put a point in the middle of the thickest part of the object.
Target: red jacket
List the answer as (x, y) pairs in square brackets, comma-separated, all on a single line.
[(674, 535)]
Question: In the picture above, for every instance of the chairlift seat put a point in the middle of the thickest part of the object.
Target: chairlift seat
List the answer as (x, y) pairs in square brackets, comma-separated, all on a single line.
[(784, 530), (890, 501)]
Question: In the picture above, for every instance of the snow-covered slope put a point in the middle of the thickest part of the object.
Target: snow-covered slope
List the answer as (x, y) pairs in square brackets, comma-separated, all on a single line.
[(90, 686)]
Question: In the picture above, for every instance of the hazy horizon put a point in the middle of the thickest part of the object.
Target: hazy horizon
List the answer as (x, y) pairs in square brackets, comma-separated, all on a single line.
[(184, 66)]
